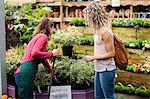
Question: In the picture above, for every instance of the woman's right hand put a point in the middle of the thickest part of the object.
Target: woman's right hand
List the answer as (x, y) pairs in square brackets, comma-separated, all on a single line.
[(55, 52)]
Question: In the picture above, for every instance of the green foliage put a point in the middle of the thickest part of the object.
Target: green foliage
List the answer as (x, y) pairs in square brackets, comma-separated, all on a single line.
[(130, 90), (11, 12), (78, 73), (26, 10), (78, 21), (122, 23), (30, 16), (82, 74), (137, 43), (67, 38), (13, 57), (25, 32), (86, 40), (41, 11), (146, 23), (42, 78), (131, 68)]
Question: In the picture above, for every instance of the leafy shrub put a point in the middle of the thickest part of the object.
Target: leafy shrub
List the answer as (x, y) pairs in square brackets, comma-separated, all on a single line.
[(122, 23), (78, 73), (67, 38), (86, 40), (130, 90), (13, 57), (78, 21), (131, 68)]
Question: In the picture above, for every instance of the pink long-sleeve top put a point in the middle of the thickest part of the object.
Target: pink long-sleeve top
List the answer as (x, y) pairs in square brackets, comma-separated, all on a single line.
[(36, 49)]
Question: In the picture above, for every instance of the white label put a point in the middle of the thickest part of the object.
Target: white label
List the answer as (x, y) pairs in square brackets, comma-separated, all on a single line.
[(60, 92)]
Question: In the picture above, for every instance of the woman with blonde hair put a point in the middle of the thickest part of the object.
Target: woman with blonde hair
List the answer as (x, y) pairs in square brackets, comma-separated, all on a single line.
[(35, 54), (104, 51)]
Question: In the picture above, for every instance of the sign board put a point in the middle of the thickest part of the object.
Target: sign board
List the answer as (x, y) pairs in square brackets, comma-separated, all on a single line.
[(115, 3), (60, 92)]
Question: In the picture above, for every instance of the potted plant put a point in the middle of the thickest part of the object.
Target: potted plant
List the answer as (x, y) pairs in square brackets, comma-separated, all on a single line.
[(56, 14), (68, 39), (77, 73), (78, 22)]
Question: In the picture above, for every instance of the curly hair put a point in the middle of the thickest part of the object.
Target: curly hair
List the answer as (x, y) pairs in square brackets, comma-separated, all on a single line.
[(96, 16)]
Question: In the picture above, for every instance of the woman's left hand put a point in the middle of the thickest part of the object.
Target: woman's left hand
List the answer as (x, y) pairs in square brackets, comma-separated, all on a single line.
[(89, 58)]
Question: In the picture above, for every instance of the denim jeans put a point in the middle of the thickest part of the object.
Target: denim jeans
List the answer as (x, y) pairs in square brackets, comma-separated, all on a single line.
[(104, 84)]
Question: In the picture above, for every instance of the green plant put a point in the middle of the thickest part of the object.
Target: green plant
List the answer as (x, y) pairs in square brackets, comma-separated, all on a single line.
[(42, 78), (86, 40), (120, 23), (135, 22), (146, 23), (78, 73), (131, 68), (26, 10), (81, 74), (67, 38), (41, 11), (146, 43), (11, 11), (132, 90), (78, 21), (13, 57)]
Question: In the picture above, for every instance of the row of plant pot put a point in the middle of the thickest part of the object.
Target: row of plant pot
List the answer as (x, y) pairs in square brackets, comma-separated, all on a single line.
[(129, 89), (89, 93), (138, 23), (76, 94), (144, 69), (119, 23), (89, 40), (66, 71), (78, 13)]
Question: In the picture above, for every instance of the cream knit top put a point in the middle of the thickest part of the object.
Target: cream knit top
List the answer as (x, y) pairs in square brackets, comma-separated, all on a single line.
[(99, 48)]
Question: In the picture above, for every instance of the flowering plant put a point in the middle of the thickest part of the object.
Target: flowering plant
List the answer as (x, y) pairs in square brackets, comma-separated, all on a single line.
[(67, 38)]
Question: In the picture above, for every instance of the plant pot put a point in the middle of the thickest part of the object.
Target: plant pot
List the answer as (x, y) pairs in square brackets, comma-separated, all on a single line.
[(56, 14), (83, 94), (67, 50), (76, 94)]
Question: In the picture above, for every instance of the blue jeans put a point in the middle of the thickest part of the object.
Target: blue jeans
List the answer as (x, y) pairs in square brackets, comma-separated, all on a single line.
[(104, 84)]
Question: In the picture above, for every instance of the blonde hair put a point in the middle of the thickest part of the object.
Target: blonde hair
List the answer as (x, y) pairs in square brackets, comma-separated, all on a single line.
[(96, 16)]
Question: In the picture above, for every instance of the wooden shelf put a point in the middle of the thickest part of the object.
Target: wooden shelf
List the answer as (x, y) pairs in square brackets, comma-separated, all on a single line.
[(135, 2), (52, 3), (67, 19), (56, 19), (78, 4)]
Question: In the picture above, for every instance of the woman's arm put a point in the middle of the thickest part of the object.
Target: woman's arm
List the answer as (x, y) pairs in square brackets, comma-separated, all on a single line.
[(38, 46), (48, 66)]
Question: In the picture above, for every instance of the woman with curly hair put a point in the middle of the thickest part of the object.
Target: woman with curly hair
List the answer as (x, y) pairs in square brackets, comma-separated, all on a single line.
[(104, 51)]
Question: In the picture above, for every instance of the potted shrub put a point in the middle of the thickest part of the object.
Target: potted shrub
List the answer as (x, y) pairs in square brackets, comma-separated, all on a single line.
[(68, 39), (78, 22), (77, 73)]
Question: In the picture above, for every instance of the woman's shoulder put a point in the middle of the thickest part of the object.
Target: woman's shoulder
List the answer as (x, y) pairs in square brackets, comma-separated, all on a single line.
[(41, 35)]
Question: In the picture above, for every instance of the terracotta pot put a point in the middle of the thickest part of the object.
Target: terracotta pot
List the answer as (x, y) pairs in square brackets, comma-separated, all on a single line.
[(56, 14)]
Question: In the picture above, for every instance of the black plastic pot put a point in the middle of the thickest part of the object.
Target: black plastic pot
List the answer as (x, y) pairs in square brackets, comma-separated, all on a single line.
[(67, 50)]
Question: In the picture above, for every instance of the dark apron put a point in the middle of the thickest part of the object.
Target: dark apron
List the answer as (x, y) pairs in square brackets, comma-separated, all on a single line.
[(25, 79)]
